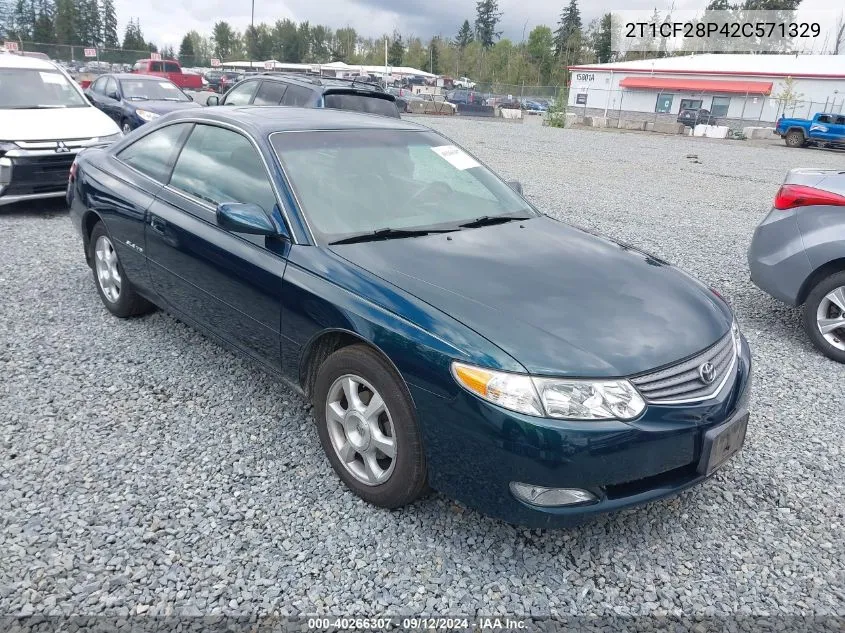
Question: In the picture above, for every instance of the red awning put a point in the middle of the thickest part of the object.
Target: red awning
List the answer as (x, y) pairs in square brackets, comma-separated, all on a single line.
[(697, 85)]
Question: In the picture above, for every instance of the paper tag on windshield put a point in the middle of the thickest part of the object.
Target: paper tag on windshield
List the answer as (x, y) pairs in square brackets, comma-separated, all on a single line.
[(456, 157), (167, 86)]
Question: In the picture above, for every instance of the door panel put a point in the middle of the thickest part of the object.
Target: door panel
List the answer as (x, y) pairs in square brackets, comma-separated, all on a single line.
[(221, 279)]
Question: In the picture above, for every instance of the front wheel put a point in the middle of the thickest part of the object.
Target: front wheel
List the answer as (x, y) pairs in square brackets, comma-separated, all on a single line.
[(368, 427), (824, 316), (794, 139)]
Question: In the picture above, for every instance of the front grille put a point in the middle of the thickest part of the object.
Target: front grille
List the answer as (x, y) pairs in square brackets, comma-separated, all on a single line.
[(39, 174), (683, 381)]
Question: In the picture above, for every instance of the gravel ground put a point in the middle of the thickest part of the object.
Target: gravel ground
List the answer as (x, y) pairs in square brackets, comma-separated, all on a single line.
[(148, 471)]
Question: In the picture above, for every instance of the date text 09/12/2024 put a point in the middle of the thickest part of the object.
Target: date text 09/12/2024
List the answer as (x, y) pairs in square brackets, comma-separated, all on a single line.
[(492, 623)]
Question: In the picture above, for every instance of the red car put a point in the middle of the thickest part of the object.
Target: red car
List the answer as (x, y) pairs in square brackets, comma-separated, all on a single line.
[(169, 69)]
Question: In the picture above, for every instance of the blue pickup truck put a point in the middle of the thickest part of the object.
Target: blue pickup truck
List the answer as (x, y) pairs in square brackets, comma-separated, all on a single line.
[(825, 129)]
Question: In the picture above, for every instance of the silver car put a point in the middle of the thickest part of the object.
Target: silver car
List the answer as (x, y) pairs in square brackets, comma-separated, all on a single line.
[(797, 254)]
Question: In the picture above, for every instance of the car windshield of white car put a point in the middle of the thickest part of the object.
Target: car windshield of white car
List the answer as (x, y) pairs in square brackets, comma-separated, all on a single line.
[(355, 182), (29, 89)]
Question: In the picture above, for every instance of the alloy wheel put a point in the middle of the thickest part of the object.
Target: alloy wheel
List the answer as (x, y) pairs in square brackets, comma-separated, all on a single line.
[(830, 317), (108, 274), (361, 430)]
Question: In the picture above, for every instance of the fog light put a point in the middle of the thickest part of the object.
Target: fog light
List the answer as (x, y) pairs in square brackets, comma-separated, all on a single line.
[(5, 171), (551, 497)]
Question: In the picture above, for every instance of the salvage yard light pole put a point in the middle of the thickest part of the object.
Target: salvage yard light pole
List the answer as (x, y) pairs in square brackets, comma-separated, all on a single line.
[(252, 29)]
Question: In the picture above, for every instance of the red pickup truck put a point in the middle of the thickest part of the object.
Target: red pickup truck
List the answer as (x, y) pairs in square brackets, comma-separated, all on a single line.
[(169, 69)]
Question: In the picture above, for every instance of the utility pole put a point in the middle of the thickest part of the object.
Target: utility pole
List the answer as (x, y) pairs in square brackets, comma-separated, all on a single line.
[(252, 28)]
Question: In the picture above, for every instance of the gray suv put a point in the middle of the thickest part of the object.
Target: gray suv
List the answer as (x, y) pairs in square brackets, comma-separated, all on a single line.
[(797, 254)]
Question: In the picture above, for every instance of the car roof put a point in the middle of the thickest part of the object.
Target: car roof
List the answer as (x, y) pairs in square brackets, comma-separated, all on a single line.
[(11, 60), (264, 120), (316, 82)]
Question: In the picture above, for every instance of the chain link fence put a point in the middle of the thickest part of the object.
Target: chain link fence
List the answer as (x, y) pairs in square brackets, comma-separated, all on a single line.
[(105, 59), (733, 110), (517, 91)]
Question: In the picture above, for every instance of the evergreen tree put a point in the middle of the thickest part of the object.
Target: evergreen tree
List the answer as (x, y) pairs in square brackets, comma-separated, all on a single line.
[(133, 38), (347, 40), (464, 36), (24, 20), (43, 29), (396, 51), (487, 17), (186, 50), (167, 52), (303, 42), (568, 28), (67, 22), (7, 19), (108, 20), (89, 26), (604, 45), (286, 41), (434, 54)]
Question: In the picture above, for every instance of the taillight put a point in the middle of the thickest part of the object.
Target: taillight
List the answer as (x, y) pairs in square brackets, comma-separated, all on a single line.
[(74, 166), (792, 196)]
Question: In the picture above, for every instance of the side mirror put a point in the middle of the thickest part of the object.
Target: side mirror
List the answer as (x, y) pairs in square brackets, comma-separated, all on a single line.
[(515, 185), (113, 95), (212, 100), (245, 218)]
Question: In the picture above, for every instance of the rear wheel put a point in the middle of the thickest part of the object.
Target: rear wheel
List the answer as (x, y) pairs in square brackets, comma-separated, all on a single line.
[(114, 288), (368, 427), (824, 316), (794, 138)]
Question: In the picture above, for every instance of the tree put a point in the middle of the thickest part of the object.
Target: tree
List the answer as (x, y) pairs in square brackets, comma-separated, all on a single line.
[(89, 25), (568, 28), (23, 17), (839, 35), (108, 20), (133, 37), (303, 42), (67, 22), (434, 54), (604, 44), (396, 51), (286, 41), (224, 40), (346, 40), (487, 17), (186, 49), (166, 53), (43, 29), (788, 95), (464, 36), (540, 48), (7, 19)]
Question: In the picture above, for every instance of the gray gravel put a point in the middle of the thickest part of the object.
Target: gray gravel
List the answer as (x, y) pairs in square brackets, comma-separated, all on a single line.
[(145, 470)]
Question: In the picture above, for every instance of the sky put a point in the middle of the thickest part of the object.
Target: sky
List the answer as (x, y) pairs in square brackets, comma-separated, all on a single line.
[(166, 21)]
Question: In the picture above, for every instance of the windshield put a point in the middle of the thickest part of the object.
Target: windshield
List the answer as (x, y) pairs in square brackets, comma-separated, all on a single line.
[(151, 89), (352, 182), (25, 88)]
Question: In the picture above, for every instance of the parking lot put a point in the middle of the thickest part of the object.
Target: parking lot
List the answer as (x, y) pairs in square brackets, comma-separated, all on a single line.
[(146, 470)]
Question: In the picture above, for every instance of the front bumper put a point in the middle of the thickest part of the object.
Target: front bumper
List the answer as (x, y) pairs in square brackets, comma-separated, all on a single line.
[(475, 450)]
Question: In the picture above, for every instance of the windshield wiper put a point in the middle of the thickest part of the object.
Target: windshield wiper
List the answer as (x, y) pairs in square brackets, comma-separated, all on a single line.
[(388, 234), (489, 220)]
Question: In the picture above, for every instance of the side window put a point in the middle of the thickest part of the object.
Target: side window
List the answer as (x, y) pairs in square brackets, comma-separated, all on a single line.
[(297, 96), (111, 87), (840, 120), (269, 94), (155, 67), (99, 85), (825, 118), (241, 94), (153, 154), (219, 165), (171, 67)]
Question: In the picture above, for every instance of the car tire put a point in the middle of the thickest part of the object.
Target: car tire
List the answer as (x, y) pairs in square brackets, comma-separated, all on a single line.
[(113, 286), (825, 303), (794, 138), (353, 441)]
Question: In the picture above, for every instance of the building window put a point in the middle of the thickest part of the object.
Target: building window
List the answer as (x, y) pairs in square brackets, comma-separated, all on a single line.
[(720, 106), (690, 104), (664, 103)]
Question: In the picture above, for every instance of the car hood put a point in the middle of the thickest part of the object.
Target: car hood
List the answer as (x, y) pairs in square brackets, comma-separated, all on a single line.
[(163, 107), (55, 124), (558, 299)]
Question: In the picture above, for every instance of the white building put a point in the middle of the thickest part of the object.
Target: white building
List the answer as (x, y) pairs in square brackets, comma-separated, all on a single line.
[(740, 87), (335, 69)]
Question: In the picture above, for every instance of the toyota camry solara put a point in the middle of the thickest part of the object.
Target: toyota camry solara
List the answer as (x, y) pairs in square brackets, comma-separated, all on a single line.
[(448, 333)]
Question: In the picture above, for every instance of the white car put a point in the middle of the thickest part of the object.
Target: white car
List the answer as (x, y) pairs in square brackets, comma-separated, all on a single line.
[(464, 82), (45, 120)]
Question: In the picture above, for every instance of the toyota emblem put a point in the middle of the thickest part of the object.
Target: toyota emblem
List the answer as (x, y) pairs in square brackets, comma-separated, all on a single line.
[(707, 372)]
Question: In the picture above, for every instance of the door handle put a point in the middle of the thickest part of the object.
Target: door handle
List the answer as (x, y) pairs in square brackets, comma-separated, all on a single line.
[(158, 225)]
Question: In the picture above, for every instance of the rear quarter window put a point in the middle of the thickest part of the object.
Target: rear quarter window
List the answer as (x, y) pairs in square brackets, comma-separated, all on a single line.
[(360, 103), (172, 67)]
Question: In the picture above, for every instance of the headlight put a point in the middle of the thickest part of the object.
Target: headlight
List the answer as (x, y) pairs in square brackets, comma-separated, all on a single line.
[(552, 397), (737, 337), (146, 115)]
